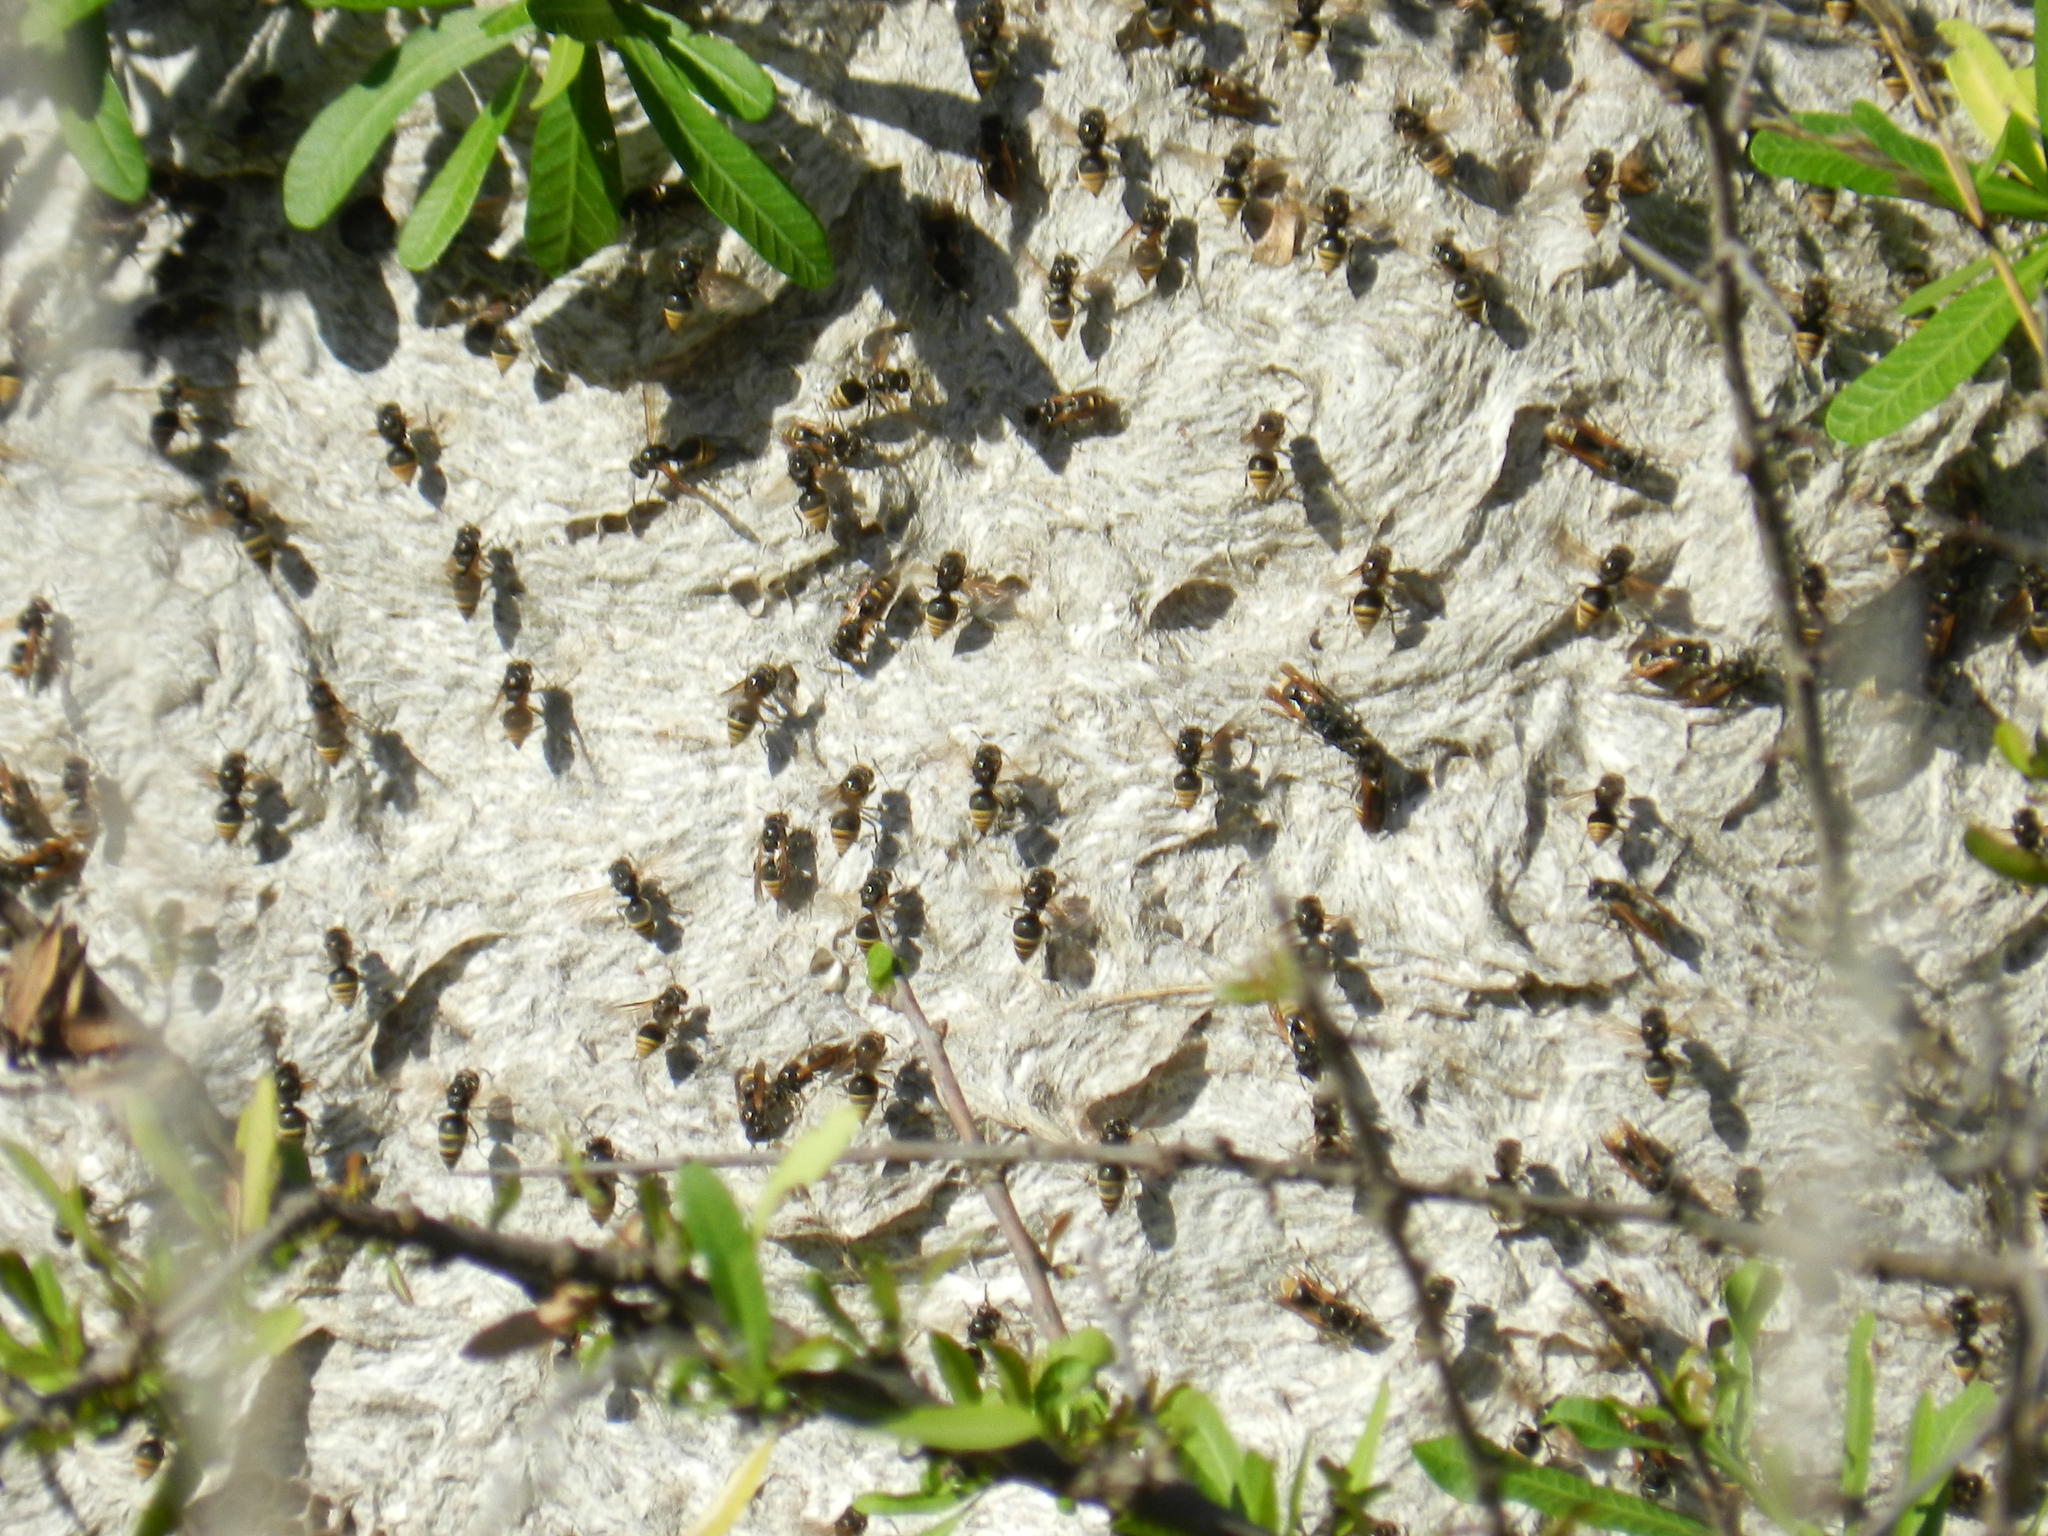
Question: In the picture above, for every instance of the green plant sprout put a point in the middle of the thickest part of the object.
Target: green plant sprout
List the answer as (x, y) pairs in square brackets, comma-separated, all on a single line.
[(2019, 855), (1708, 1401), (684, 79), (1970, 311)]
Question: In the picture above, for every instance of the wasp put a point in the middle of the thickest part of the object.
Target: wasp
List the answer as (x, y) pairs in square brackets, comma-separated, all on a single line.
[(402, 458), (985, 45), (33, 658), (1147, 239), (1330, 1314), (1091, 169), (600, 1190), (764, 688), (1598, 176), (1310, 705), (771, 857), (231, 779), (765, 1113), (868, 606), (77, 785), (233, 503), (694, 285), (1222, 95), (1813, 596), (466, 569), (1027, 929), (1615, 580), (635, 897), (1071, 413), (1334, 213), (344, 983), (1639, 912), (1262, 465), (1593, 448), (880, 381), (983, 804), (1659, 1070), (1156, 23), (850, 798), (1432, 151), (452, 1129), (1379, 584), (1301, 1042), (665, 1014), (516, 692), (1810, 319), (1749, 1193), (330, 721), (1112, 1179), (874, 903), (943, 229), (1060, 279), (1192, 747), (291, 1120), (149, 1455), (1604, 819), (1468, 293), (995, 152)]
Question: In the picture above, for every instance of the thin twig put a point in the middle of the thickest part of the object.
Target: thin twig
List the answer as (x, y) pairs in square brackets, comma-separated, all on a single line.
[(1045, 1308), (1752, 458)]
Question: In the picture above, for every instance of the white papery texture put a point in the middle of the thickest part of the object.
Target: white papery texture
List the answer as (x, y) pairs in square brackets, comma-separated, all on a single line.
[(1160, 594)]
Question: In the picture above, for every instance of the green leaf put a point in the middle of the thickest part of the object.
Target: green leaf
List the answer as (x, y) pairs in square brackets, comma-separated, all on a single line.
[(1837, 156), (1367, 1452), (950, 1524), (983, 1427), (2029, 757), (376, 5), (272, 1332), (18, 1285), (881, 961), (1916, 156), (1959, 1419), (957, 1370), (808, 1161), (585, 20), (444, 207), (718, 1233), (1598, 1425), (1859, 1412), (47, 21), (573, 178), (2040, 92), (835, 1315), (1749, 1294), (2020, 148), (882, 1294), (716, 69), (341, 142), (730, 178), (1013, 1376), (256, 1141), (172, 1168), (1212, 1458), (565, 60), (1928, 295), (1921, 371), (1070, 1365), (1980, 77), (2001, 857), (907, 1503), (1256, 1494), (92, 114), (1296, 1486), (1550, 1491)]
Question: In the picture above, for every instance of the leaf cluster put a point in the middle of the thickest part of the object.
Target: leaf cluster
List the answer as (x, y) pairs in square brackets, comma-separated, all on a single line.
[(684, 80), (1996, 850), (1970, 312)]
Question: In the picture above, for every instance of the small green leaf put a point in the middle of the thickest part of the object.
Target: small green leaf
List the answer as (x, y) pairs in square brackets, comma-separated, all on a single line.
[(1836, 156), (739, 1490), (718, 1233), (1013, 1376), (444, 207), (2002, 857), (1859, 1412), (172, 1168), (1256, 1494), (342, 141), (1957, 1421), (1551, 1491), (983, 1427), (1597, 1424), (587, 21), (92, 115), (46, 21), (2020, 147), (2029, 757), (1366, 1453), (1212, 1458), (730, 179), (808, 1161), (1921, 371), (1928, 295), (1919, 159), (881, 962), (957, 1370), (2040, 82), (716, 69), (18, 1285), (376, 5), (1749, 1294), (843, 1326), (882, 1293), (1980, 77), (272, 1332), (1297, 1485), (565, 60), (573, 179), (256, 1141)]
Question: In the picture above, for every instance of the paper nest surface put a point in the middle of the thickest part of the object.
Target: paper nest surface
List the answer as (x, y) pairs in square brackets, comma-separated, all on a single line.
[(1161, 593)]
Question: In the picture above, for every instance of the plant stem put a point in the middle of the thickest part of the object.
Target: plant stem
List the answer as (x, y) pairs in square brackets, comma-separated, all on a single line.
[(1045, 1308)]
